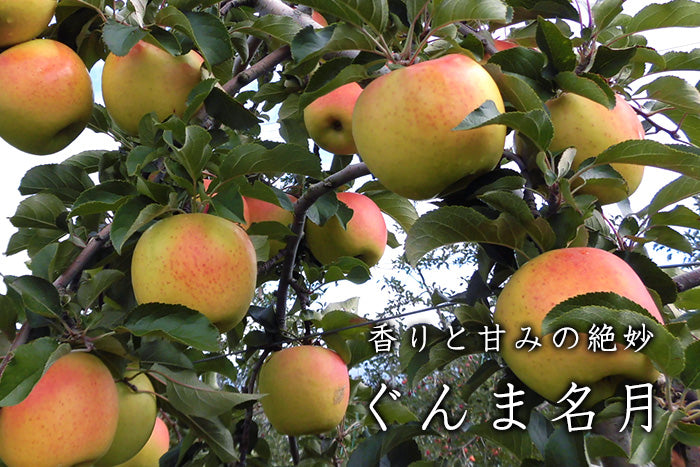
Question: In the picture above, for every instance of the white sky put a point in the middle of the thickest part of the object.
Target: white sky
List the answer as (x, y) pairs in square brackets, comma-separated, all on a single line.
[(373, 299)]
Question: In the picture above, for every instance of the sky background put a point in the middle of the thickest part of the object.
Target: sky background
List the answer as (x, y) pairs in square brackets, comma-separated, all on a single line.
[(16, 164)]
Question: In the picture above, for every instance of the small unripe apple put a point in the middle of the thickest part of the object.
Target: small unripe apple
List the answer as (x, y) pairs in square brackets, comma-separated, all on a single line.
[(403, 126), (262, 211), (157, 445), (364, 238), (592, 128), (198, 260), (137, 415), (46, 98), (69, 418), (328, 119), (148, 79), (307, 387), (542, 283), (23, 20)]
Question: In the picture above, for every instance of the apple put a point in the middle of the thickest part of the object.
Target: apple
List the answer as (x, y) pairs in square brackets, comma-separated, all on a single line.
[(318, 17), (157, 445), (46, 99), (403, 121), (307, 390), (137, 415), (591, 128), (364, 238), (501, 44), (148, 79), (69, 418), (198, 260), (25, 20), (328, 119), (548, 280), (262, 211)]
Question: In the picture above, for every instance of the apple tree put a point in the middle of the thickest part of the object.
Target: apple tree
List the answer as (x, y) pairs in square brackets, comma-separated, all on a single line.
[(525, 124)]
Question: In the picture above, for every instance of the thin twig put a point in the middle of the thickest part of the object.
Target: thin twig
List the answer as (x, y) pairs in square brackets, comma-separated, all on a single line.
[(93, 246), (19, 339)]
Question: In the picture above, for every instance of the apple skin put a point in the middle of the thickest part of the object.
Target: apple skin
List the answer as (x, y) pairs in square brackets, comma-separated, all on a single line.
[(501, 44), (548, 280), (307, 387), (318, 17), (262, 211), (328, 119), (69, 418), (365, 236), (46, 99), (403, 121), (148, 79), (591, 128), (198, 260), (25, 20), (157, 445), (137, 415)]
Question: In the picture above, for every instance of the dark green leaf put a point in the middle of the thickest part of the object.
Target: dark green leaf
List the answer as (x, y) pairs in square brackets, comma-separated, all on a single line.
[(39, 211), (38, 295), (253, 158), (556, 46), (64, 181), (105, 197), (228, 111), (120, 38), (587, 86), (132, 216), (676, 13)]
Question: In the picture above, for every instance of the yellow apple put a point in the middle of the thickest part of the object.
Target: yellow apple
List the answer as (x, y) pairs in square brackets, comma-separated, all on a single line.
[(364, 238), (548, 280), (198, 260), (591, 128), (23, 20), (403, 121), (328, 119), (69, 418), (262, 211), (46, 98), (137, 415), (148, 79), (157, 445), (307, 387)]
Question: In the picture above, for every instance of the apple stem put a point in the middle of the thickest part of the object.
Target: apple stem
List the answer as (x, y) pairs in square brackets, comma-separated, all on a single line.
[(294, 449)]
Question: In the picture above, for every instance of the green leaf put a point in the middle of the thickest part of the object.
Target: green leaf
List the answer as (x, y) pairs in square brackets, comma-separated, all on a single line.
[(38, 295), (174, 322), (515, 89), (397, 207), (281, 28), (645, 445), (96, 284), (283, 158), (358, 12), (194, 153), (445, 12), (534, 124), (521, 61), (206, 31), (587, 86), (479, 377), (676, 13), (516, 441), (691, 373), (605, 12), (599, 308), (565, 448), (28, 365), (555, 45), (597, 446), (39, 211), (608, 62), (64, 181), (678, 190), (191, 396), (228, 111), (120, 38), (217, 436), (652, 276), (105, 197), (131, 216), (372, 449), (647, 152), (669, 237), (675, 92), (318, 86), (456, 224), (680, 216), (678, 61), (311, 44)]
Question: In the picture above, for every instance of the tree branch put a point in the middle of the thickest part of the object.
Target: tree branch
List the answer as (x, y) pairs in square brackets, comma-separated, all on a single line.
[(92, 247), (687, 280), (302, 205)]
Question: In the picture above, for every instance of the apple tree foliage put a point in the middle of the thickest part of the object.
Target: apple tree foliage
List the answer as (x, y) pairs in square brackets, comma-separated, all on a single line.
[(81, 218)]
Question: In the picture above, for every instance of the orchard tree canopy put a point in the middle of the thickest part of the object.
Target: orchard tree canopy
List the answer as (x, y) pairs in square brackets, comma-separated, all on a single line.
[(199, 251)]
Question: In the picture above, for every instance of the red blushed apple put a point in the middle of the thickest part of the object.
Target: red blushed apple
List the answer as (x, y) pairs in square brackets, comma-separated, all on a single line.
[(198, 260), (157, 445), (404, 121), (69, 418), (591, 128), (307, 390), (364, 238), (24, 20), (318, 17), (328, 119), (262, 211), (548, 280)]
